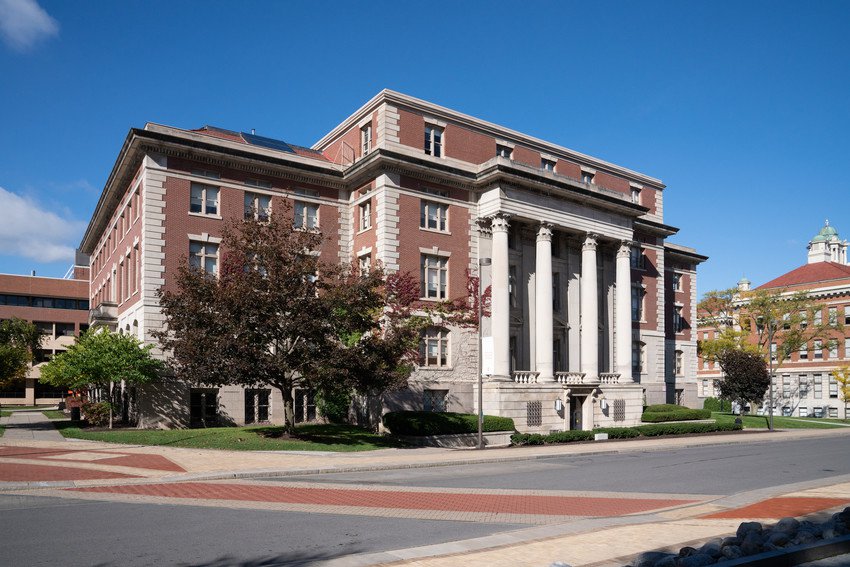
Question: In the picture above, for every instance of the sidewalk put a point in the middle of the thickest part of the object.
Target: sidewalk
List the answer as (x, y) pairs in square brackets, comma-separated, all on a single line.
[(31, 426)]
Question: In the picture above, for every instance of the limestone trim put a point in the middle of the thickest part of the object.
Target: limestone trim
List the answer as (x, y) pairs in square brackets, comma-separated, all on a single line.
[(387, 223), (500, 298), (589, 308), (434, 251), (543, 320)]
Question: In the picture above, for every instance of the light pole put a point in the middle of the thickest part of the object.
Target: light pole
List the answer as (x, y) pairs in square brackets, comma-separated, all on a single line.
[(771, 331), (481, 263)]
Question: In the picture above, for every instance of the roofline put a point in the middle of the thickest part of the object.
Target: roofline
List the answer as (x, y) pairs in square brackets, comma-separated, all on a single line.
[(391, 96), (2, 274), (685, 251), (657, 227)]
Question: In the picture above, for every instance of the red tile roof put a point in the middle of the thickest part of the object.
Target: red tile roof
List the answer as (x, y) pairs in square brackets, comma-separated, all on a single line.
[(819, 272), (225, 134)]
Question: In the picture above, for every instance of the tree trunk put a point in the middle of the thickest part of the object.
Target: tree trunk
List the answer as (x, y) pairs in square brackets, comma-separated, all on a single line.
[(288, 410), (111, 397)]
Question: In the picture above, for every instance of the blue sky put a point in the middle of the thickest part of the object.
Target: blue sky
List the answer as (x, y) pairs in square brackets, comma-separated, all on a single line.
[(742, 108)]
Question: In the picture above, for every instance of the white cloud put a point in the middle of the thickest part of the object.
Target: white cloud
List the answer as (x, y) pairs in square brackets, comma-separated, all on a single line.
[(28, 230), (23, 22)]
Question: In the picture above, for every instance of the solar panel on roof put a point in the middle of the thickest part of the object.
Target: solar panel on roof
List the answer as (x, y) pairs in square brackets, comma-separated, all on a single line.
[(264, 142)]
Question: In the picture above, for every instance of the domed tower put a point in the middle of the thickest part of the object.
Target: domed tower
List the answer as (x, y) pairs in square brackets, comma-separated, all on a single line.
[(827, 246)]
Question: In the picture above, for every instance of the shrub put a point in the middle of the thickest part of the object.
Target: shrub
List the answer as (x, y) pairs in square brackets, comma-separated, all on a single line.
[(421, 423), (333, 405), (681, 414), (658, 408), (618, 432), (657, 429), (715, 404), (520, 439), (97, 413)]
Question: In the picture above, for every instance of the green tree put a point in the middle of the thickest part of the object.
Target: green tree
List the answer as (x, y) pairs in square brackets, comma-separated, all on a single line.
[(745, 377), (19, 339), (842, 376), (100, 359)]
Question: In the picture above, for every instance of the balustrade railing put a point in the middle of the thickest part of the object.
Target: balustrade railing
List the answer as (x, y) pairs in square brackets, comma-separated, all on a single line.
[(525, 376), (609, 377), (569, 377)]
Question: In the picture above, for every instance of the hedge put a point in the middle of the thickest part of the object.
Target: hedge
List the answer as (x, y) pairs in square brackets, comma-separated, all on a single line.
[(715, 404), (653, 430), (657, 408), (424, 423), (681, 414)]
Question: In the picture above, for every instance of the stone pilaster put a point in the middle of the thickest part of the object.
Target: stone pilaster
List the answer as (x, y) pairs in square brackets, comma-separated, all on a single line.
[(543, 304), (500, 299), (589, 308), (623, 322)]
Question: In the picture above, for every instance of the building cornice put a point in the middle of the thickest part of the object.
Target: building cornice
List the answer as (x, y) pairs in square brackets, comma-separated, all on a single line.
[(500, 132), (684, 252)]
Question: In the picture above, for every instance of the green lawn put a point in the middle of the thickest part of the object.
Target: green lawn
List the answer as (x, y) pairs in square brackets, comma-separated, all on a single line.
[(5, 413), (779, 422), (54, 414), (314, 437)]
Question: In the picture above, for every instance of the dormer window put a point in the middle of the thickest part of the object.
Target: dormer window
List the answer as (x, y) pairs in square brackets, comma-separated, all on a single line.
[(587, 176), (547, 165), (636, 195), (366, 139), (504, 151), (433, 140)]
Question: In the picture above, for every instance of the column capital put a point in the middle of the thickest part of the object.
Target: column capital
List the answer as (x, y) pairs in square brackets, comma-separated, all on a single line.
[(590, 241), (499, 222), (544, 232), (625, 249)]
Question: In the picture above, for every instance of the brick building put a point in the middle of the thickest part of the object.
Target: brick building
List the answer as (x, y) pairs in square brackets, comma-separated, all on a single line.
[(59, 307), (591, 307), (803, 385)]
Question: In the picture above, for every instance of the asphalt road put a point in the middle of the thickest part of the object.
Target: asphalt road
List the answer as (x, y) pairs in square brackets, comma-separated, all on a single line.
[(717, 469), (57, 531)]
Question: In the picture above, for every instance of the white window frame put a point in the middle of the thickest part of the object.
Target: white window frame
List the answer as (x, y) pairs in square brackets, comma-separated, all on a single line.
[(638, 298), (435, 140), (434, 268), (206, 251), (254, 208), (635, 195), (365, 139), (302, 215), (678, 319), (433, 211), (817, 347), (205, 191), (678, 280), (365, 214), (678, 363), (437, 338)]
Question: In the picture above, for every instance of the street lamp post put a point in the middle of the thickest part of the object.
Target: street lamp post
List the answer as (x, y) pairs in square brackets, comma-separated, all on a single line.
[(771, 331), (481, 263)]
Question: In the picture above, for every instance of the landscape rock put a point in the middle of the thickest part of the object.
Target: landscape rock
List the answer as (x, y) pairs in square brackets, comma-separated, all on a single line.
[(804, 537), (731, 540), (669, 561), (731, 552), (788, 526), (712, 548), (687, 551), (696, 560), (779, 539), (747, 527)]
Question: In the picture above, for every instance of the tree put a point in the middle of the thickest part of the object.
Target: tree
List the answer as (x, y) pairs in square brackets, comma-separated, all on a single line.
[(100, 359), (773, 323), (842, 376), (19, 339), (746, 378)]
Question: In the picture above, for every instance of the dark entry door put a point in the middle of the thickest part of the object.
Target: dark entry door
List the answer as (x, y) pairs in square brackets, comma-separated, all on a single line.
[(576, 405)]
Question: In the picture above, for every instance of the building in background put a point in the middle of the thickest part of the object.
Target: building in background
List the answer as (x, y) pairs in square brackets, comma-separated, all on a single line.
[(59, 307), (591, 308), (804, 385)]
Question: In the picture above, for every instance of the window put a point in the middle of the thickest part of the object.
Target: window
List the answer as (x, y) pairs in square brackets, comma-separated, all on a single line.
[(636, 195), (773, 352), (833, 386), (833, 412), (636, 259), (638, 357), (847, 314), (818, 348), (44, 327), (556, 292), (547, 165), (433, 140), (818, 316), (206, 173), (587, 176), (257, 405), (434, 216), (65, 329), (434, 276), (804, 319), (434, 348), (259, 183), (677, 281), (818, 412), (306, 215), (679, 369), (818, 393), (557, 355), (435, 400), (804, 352), (833, 315), (804, 386), (365, 264), (204, 256), (203, 407), (366, 139), (833, 349), (257, 206), (307, 192), (846, 348), (365, 211), (786, 385), (637, 302), (504, 151), (513, 290), (678, 319), (203, 199), (804, 412)]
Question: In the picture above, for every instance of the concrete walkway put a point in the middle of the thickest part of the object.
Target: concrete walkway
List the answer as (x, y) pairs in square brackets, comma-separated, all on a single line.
[(30, 426)]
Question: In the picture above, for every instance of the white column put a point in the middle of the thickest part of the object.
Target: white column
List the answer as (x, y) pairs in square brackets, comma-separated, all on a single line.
[(589, 309), (623, 324), (543, 304), (500, 300)]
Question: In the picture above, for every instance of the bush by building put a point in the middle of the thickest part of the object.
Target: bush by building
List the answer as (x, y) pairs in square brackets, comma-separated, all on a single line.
[(422, 423), (653, 430)]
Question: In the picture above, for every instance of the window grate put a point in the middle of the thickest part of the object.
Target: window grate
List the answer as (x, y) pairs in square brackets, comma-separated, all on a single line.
[(619, 410), (534, 416)]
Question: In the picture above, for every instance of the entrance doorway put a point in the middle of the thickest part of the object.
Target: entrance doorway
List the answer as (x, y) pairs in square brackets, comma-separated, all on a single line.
[(576, 411)]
